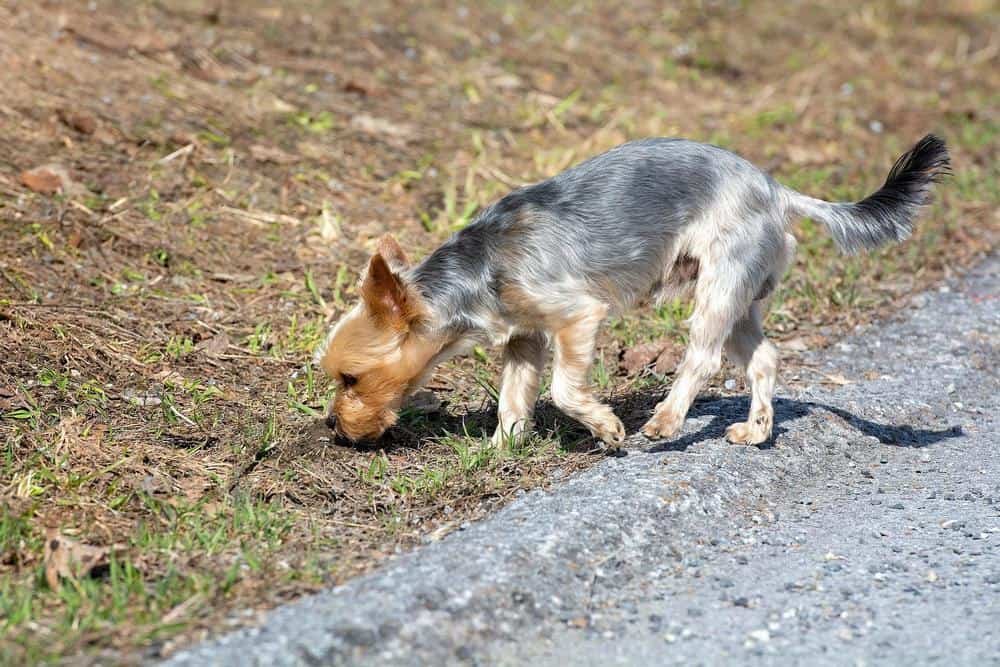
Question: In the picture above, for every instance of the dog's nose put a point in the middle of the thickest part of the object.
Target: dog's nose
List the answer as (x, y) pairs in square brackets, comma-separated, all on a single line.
[(338, 437)]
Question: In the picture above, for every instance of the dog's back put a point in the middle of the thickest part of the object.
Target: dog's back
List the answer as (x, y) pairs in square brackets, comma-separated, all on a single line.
[(611, 224)]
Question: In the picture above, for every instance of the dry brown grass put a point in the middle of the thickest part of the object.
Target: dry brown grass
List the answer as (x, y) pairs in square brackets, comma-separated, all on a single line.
[(233, 169)]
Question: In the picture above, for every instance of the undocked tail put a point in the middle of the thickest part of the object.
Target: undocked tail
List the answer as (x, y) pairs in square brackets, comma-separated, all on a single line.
[(888, 214)]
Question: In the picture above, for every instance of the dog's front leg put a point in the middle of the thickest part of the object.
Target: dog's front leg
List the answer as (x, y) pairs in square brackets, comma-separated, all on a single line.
[(523, 360), (571, 392)]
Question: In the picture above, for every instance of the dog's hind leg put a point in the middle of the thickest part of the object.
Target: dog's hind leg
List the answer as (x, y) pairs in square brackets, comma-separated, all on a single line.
[(748, 348), (710, 326), (722, 295), (571, 392), (523, 361)]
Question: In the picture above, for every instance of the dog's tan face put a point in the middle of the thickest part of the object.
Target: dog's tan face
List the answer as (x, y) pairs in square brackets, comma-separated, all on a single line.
[(373, 352)]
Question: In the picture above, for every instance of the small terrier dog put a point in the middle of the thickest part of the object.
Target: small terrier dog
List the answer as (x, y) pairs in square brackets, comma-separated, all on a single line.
[(546, 264)]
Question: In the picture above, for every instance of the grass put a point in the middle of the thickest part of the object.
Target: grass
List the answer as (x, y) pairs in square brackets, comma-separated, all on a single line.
[(155, 396), (241, 538)]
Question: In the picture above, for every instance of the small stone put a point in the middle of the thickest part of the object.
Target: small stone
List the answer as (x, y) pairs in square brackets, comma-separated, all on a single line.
[(729, 384), (762, 635)]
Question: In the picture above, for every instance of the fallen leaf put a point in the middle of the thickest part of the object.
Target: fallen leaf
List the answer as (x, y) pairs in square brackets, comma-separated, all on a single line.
[(802, 155), (79, 437), (507, 82), (424, 401), (669, 359), (68, 558), (381, 127), (42, 180), (50, 179), (214, 346), (80, 121), (638, 357), (360, 87), (271, 154), (121, 39)]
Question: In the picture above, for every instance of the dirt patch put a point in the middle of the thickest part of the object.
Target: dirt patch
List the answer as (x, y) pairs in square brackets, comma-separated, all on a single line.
[(187, 191)]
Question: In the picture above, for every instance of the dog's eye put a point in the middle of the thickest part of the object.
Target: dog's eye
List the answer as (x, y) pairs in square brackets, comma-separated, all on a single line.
[(348, 380)]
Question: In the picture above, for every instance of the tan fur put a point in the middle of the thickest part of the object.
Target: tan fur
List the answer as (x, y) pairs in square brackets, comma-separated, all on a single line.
[(523, 361), (393, 254), (574, 354), (375, 343), (741, 335)]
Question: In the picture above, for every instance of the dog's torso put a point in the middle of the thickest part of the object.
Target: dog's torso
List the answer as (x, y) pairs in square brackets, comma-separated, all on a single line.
[(634, 222)]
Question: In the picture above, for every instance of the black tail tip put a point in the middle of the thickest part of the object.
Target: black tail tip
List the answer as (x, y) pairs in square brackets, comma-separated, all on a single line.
[(929, 156)]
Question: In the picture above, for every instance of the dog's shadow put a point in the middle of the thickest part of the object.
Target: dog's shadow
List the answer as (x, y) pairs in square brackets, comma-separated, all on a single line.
[(634, 410), (726, 410)]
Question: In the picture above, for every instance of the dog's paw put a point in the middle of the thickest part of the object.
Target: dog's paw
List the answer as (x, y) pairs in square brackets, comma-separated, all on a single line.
[(512, 437), (748, 433), (607, 428), (661, 426)]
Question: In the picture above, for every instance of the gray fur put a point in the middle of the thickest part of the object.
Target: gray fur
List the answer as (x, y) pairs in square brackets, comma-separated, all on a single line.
[(888, 214), (615, 220)]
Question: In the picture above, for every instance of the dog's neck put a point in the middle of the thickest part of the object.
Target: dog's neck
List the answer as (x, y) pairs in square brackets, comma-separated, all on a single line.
[(459, 285)]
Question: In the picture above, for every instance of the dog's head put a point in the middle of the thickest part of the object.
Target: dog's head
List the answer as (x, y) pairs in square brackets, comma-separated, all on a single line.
[(375, 352)]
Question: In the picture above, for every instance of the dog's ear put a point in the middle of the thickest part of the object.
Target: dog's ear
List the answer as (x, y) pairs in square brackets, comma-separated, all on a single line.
[(393, 255), (387, 298)]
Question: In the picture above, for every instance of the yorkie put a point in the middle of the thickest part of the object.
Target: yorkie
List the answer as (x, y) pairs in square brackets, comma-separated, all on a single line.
[(546, 264)]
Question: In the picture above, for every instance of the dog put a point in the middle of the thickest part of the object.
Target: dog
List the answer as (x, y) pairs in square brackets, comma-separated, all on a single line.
[(545, 265)]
